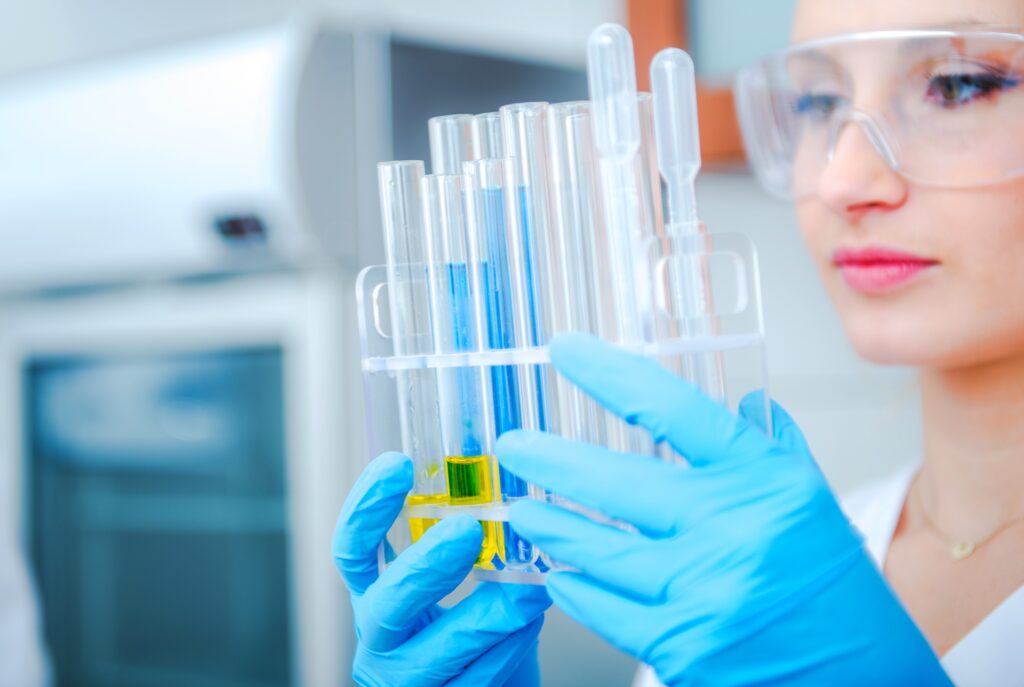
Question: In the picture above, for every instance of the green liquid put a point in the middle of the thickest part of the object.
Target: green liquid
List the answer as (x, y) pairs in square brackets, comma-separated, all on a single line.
[(471, 482)]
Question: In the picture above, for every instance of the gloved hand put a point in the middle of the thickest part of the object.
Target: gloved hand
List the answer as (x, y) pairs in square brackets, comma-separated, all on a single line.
[(405, 638), (743, 570)]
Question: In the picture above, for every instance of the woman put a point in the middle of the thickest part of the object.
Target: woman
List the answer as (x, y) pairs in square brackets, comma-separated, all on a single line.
[(905, 156)]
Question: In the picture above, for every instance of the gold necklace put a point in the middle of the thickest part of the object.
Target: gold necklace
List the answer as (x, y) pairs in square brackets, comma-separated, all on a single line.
[(959, 549)]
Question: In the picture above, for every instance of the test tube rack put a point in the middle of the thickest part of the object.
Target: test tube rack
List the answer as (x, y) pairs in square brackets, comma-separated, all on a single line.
[(526, 229)]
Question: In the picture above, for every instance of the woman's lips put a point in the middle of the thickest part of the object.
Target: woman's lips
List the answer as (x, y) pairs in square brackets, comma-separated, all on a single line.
[(875, 270)]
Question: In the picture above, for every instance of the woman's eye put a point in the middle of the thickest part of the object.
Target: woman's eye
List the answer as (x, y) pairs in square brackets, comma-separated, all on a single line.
[(817, 105), (954, 90)]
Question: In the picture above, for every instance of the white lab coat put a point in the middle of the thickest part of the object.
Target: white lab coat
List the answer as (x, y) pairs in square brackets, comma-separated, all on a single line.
[(22, 658), (990, 655)]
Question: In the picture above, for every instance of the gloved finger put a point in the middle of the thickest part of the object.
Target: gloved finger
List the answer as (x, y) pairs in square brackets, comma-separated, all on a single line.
[(497, 665), (618, 619), (480, 621), (421, 576), (626, 561), (642, 392), (622, 486), (784, 429), (368, 513), (527, 673)]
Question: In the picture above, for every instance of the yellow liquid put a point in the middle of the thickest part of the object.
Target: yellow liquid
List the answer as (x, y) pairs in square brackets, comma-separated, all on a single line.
[(417, 526), (471, 481)]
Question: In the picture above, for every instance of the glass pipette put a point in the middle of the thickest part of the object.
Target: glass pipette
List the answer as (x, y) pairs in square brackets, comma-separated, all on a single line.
[(677, 134), (618, 139), (612, 80)]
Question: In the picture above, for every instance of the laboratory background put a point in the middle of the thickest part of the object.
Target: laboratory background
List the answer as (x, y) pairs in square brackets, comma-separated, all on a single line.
[(187, 193)]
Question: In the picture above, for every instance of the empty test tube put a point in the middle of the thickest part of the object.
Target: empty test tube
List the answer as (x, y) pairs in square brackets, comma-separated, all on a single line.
[(457, 316), (451, 142), (579, 297), (487, 136), (399, 188)]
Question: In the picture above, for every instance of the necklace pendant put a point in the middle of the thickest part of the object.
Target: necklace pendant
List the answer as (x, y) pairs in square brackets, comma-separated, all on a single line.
[(961, 550)]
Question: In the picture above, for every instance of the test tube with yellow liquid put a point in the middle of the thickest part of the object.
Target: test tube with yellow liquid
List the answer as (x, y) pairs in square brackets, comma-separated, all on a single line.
[(455, 288), (406, 263)]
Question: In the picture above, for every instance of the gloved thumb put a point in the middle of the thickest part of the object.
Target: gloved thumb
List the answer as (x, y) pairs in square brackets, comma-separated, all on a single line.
[(784, 429)]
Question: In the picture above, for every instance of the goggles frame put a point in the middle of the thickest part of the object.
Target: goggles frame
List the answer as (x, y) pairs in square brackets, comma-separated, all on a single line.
[(764, 142)]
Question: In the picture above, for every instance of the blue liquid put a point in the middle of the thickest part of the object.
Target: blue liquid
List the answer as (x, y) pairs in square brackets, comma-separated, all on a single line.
[(532, 288), (467, 392), (469, 476), (497, 287), (497, 284)]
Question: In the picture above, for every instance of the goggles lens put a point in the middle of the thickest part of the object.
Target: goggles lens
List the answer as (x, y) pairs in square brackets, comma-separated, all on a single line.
[(942, 108)]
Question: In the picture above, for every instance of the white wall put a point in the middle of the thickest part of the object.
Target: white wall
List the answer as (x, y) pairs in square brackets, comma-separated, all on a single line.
[(42, 33), (721, 43)]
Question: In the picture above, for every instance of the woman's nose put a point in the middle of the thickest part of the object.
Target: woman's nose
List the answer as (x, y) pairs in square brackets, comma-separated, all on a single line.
[(860, 176)]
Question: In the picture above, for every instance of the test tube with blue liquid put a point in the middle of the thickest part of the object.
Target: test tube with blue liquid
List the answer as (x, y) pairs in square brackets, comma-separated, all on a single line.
[(493, 218), (496, 192), (455, 286), (487, 178), (525, 136)]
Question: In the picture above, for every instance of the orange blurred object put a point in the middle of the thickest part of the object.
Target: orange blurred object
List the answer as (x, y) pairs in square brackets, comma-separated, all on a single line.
[(657, 24)]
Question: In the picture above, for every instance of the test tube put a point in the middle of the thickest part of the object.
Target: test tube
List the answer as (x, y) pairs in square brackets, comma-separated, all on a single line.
[(487, 136), (451, 142), (524, 127), (455, 289), (580, 298), (494, 220), (405, 251)]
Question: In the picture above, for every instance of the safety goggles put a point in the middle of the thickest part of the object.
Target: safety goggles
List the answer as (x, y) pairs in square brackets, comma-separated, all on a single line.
[(943, 108)]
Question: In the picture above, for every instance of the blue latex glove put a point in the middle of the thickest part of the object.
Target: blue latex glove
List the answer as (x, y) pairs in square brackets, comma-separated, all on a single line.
[(405, 638), (744, 570)]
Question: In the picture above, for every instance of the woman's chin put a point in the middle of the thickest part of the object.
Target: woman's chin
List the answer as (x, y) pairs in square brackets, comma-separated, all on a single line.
[(935, 349), (883, 354), (893, 345)]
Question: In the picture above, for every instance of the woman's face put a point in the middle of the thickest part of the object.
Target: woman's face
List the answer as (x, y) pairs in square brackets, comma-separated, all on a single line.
[(967, 306)]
